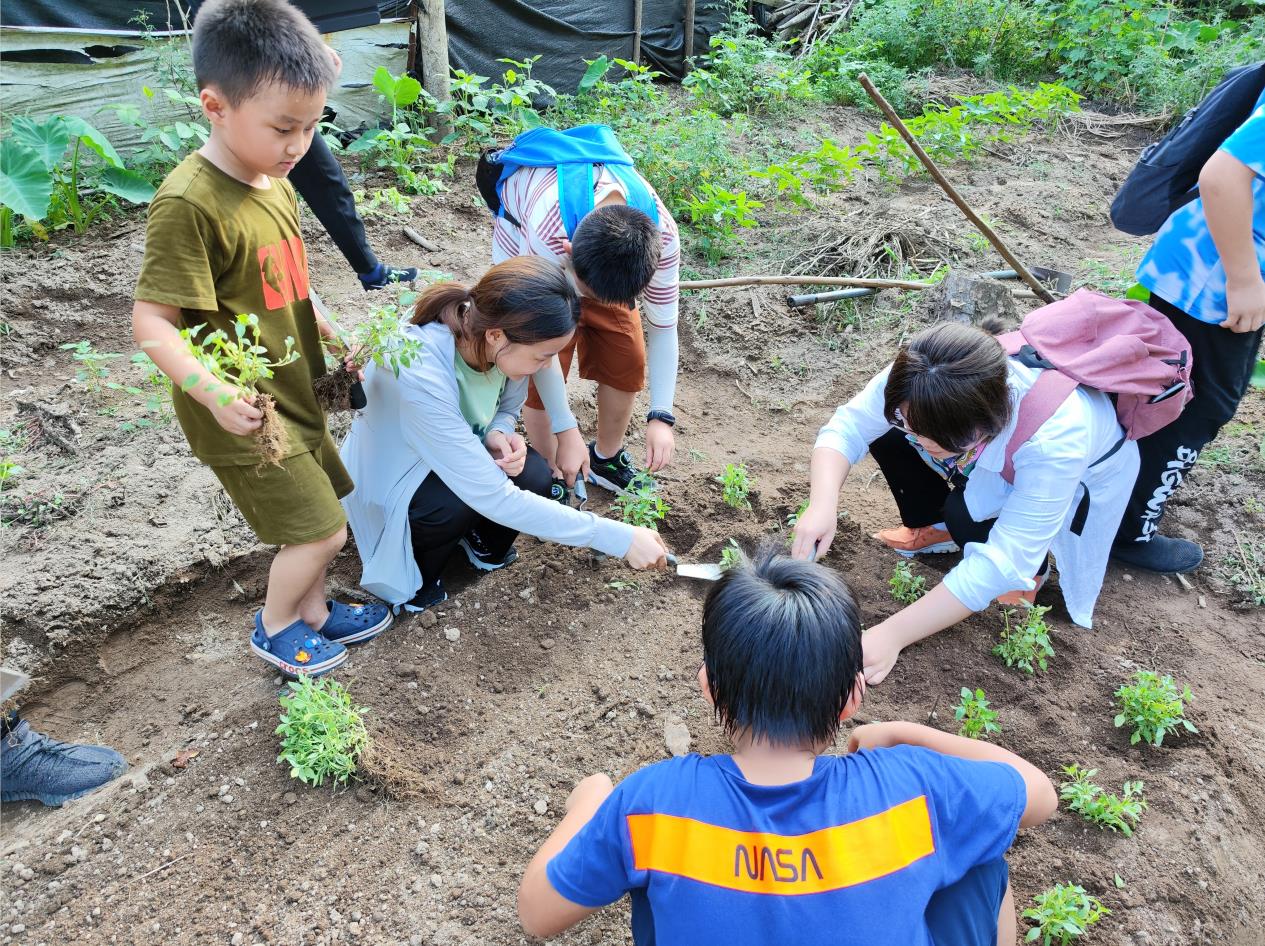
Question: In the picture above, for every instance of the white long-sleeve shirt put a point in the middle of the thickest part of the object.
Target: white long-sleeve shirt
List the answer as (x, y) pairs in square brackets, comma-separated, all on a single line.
[(1034, 515), (413, 427), (530, 195)]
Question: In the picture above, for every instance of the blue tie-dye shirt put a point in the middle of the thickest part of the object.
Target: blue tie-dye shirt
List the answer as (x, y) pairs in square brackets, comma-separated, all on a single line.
[(1183, 265)]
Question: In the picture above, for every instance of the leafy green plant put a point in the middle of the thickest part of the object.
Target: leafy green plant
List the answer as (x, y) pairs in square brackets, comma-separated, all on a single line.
[(322, 731), (1025, 643), (640, 504), (1154, 706), (735, 485), (380, 203), (479, 110), (714, 212), (153, 394), (731, 556), (92, 370), (397, 146), (9, 470), (742, 72), (60, 172), (905, 586), (599, 99), (1062, 914), (792, 518), (1096, 806), (379, 340), (978, 719), (165, 144)]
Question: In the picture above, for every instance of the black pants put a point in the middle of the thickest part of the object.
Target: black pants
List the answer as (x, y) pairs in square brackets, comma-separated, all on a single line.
[(1223, 362), (439, 520), (319, 179)]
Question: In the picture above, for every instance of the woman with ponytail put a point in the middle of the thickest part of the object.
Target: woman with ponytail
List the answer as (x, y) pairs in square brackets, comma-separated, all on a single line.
[(436, 459), (939, 422)]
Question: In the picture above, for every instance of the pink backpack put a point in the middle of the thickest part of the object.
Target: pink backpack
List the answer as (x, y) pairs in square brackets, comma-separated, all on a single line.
[(1120, 346)]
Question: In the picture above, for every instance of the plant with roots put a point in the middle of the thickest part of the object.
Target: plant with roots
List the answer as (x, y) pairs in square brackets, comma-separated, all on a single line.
[(239, 361), (380, 340)]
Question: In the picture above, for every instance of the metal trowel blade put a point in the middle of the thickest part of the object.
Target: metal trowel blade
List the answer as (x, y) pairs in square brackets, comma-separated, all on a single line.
[(706, 572)]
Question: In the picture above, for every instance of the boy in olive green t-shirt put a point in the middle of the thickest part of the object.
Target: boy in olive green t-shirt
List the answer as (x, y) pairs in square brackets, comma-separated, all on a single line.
[(222, 239)]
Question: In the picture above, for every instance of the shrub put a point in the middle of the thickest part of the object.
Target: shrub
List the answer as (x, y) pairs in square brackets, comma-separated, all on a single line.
[(1153, 706), (322, 732), (744, 73)]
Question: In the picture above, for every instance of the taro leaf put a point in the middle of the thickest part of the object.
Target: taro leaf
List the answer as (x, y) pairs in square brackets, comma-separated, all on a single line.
[(94, 139), (365, 142), (127, 184), (597, 68), (26, 186), (47, 139)]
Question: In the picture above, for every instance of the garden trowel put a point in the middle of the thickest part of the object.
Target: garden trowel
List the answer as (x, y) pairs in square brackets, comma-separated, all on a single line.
[(706, 572)]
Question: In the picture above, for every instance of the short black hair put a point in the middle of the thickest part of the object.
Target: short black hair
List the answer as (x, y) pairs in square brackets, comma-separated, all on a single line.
[(239, 45), (782, 647), (616, 250)]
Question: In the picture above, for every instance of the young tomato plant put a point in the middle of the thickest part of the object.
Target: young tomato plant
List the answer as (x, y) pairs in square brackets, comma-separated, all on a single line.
[(322, 731), (92, 370), (731, 556), (977, 718), (240, 361), (905, 586), (1062, 915), (641, 504), (1153, 706), (1026, 644), (380, 340), (735, 485), (1096, 806)]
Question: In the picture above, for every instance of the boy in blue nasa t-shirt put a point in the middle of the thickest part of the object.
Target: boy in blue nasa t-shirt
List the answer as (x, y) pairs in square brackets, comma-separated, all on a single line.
[(1206, 272), (899, 843)]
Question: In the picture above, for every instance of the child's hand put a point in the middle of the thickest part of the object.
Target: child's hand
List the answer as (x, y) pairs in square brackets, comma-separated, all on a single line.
[(880, 653), (1245, 304), (572, 457), (660, 445), (814, 532), (508, 450), (237, 416), (596, 787), (647, 549)]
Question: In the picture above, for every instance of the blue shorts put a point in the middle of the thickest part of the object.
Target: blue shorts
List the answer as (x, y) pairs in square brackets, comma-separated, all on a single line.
[(965, 913)]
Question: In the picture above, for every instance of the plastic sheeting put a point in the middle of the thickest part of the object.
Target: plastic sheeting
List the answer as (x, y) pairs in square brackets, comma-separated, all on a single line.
[(163, 15)]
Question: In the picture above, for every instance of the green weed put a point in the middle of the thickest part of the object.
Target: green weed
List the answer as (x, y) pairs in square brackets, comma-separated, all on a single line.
[(641, 504), (1097, 806), (905, 586), (397, 146), (380, 203), (480, 111), (744, 73), (978, 719), (92, 370), (9, 470), (1025, 643), (322, 731), (735, 485), (1062, 915), (1244, 567), (714, 212), (1153, 706)]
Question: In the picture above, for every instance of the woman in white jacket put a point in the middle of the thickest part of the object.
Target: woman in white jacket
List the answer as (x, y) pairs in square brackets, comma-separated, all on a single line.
[(435, 457), (939, 421)]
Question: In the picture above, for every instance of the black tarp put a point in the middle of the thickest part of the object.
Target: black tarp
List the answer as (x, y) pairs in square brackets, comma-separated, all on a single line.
[(562, 32)]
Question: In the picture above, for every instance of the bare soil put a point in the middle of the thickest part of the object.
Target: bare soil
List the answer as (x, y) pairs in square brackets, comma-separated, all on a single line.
[(130, 583)]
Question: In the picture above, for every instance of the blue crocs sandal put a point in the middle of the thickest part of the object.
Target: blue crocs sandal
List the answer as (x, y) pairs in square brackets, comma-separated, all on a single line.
[(298, 650), (355, 623)]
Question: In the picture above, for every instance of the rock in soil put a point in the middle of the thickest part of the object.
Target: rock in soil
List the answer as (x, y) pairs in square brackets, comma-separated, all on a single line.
[(970, 300), (676, 735)]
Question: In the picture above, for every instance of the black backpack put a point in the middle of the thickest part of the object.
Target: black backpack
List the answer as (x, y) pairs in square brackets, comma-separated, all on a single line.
[(1167, 173)]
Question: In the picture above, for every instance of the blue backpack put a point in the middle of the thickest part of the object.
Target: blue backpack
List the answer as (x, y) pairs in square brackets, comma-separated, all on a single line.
[(1167, 173), (573, 152)]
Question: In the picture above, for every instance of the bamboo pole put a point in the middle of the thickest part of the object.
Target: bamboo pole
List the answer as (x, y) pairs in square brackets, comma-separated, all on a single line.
[(851, 281), (1041, 292)]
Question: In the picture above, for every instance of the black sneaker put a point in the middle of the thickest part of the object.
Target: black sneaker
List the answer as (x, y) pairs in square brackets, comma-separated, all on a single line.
[(426, 598), (614, 474), (558, 491), (481, 558), (1162, 554), (384, 275)]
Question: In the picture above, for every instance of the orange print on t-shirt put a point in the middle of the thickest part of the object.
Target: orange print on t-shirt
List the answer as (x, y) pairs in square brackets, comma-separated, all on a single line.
[(283, 272)]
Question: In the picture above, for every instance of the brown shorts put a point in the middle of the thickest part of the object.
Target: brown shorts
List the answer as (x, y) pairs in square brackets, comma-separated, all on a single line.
[(291, 504), (611, 346)]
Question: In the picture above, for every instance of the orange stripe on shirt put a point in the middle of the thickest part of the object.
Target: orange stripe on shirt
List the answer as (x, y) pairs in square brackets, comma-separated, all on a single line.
[(789, 865)]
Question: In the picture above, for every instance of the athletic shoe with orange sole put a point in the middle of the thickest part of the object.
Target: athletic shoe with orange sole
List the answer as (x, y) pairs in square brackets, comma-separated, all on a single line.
[(925, 540)]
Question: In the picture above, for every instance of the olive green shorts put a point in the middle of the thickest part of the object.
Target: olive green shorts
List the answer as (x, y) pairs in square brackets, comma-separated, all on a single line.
[(294, 503)]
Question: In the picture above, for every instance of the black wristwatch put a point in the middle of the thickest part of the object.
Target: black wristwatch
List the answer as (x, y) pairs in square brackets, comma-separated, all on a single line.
[(667, 418)]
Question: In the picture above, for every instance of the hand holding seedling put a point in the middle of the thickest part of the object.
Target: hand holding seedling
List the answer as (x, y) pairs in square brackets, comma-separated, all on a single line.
[(238, 415), (814, 531), (508, 450)]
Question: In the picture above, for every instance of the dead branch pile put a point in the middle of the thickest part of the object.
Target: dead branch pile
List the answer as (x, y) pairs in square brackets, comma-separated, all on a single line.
[(807, 21), (870, 245)]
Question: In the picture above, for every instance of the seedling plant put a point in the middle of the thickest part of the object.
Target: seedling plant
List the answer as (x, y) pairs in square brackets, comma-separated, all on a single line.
[(322, 731), (905, 586), (714, 212), (1153, 706), (1097, 806), (640, 504), (240, 361), (9, 470), (731, 556), (978, 719), (92, 370), (1025, 643), (1062, 915), (735, 485), (380, 340), (479, 112), (397, 146)]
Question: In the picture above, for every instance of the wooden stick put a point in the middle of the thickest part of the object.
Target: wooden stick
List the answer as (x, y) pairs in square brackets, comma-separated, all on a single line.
[(421, 241), (804, 281), (688, 48), (636, 52), (1042, 293)]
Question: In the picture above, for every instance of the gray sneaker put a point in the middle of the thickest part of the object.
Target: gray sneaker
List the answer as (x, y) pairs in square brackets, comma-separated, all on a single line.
[(34, 767)]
